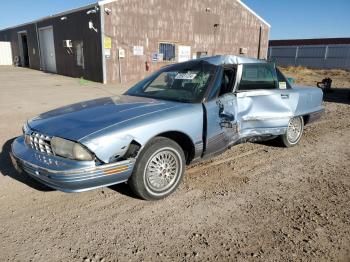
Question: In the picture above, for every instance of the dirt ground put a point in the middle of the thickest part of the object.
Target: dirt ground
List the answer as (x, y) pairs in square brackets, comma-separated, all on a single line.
[(256, 202)]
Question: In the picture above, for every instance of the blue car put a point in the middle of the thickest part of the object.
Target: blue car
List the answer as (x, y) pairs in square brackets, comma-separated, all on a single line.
[(181, 114)]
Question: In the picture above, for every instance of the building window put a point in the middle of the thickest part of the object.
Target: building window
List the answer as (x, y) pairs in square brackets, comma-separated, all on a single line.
[(202, 54), (168, 51)]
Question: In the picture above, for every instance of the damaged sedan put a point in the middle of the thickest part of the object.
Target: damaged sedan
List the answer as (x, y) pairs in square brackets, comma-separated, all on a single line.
[(179, 115)]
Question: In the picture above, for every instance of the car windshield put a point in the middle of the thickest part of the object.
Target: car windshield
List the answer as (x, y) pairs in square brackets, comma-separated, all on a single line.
[(186, 82)]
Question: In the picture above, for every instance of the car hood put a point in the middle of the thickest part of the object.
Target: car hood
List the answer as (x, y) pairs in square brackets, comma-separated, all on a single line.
[(79, 120)]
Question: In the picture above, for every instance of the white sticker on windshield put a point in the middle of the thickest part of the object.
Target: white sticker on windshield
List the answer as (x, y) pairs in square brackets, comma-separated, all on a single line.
[(282, 85), (185, 76)]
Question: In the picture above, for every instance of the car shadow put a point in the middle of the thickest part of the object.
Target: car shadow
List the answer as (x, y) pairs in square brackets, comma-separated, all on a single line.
[(337, 95), (276, 142), (123, 189), (7, 169)]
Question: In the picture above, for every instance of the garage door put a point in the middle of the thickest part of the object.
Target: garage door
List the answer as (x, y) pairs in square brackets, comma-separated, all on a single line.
[(5, 53), (47, 48)]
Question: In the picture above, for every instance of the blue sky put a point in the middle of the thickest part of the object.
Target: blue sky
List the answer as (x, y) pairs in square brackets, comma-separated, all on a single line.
[(304, 18), (288, 18)]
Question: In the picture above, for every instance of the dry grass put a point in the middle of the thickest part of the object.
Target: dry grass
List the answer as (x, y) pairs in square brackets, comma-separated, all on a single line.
[(307, 76)]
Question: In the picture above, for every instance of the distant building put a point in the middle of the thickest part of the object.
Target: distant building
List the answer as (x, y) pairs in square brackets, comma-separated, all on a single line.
[(314, 53), (124, 40)]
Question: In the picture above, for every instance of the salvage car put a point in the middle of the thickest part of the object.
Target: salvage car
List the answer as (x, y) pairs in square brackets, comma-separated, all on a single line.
[(179, 115)]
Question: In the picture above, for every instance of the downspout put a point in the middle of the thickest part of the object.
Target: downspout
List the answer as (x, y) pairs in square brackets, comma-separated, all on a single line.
[(102, 24), (39, 49), (268, 44), (259, 45), (120, 69)]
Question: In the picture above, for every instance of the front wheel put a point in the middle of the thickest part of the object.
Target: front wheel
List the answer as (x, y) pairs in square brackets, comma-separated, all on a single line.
[(294, 132), (158, 170)]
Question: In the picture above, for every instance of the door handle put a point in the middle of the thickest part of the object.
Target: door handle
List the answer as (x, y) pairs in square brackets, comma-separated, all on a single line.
[(284, 96)]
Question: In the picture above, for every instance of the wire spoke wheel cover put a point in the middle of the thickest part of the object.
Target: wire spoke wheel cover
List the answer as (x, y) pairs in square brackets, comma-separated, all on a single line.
[(295, 129), (158, 170), (163, 169)]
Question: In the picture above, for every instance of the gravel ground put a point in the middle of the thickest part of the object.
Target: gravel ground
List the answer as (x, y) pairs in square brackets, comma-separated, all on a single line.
[(256, 202)]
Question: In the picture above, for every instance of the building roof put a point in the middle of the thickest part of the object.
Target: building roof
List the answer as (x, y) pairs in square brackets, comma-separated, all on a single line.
[(315, 41), (52, 16), (251, 11)]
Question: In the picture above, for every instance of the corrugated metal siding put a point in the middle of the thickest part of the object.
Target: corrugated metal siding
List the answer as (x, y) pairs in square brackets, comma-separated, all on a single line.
[(314, 41), (5, 53), (74, 27), (144, 23), (147, 23), (11, 35), (316, 56), (312, 52), (283, 52)]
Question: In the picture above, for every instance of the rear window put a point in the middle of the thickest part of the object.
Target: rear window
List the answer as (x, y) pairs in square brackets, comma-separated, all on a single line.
[(257, 76), (282, 80)]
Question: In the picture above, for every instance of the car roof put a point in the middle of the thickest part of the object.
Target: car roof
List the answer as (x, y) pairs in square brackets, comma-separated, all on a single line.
[(219, 60), (231, 60)]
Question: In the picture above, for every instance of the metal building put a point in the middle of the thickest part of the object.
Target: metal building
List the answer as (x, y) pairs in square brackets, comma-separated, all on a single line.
[(324, 53), (125, 40)]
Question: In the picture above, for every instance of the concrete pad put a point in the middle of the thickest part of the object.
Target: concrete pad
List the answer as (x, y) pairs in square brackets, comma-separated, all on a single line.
[(25, 93)]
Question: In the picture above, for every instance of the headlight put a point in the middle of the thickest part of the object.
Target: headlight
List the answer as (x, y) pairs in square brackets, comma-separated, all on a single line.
[(69, 149)]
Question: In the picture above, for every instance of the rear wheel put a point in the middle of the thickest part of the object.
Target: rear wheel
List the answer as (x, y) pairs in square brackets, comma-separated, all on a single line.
[(294, 132), (158, 170)]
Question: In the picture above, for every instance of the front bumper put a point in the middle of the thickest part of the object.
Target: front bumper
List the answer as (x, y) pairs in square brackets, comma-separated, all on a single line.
[(67, 175)]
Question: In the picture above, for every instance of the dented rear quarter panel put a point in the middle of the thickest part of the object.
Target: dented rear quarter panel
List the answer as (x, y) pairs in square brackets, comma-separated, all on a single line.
[(308, 100)]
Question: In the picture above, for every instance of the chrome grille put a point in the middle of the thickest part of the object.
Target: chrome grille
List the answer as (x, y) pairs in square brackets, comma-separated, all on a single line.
[(41, 143)]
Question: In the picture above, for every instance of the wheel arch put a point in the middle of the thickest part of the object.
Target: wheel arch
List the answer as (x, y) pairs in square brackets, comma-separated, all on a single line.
[(183, 140), (306, 119)]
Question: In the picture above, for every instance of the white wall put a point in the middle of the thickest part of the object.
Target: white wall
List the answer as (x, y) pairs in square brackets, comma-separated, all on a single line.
[(5, 53)]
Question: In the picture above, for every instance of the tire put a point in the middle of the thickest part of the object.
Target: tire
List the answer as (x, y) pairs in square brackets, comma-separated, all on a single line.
[(294, 132), (158, 169)]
